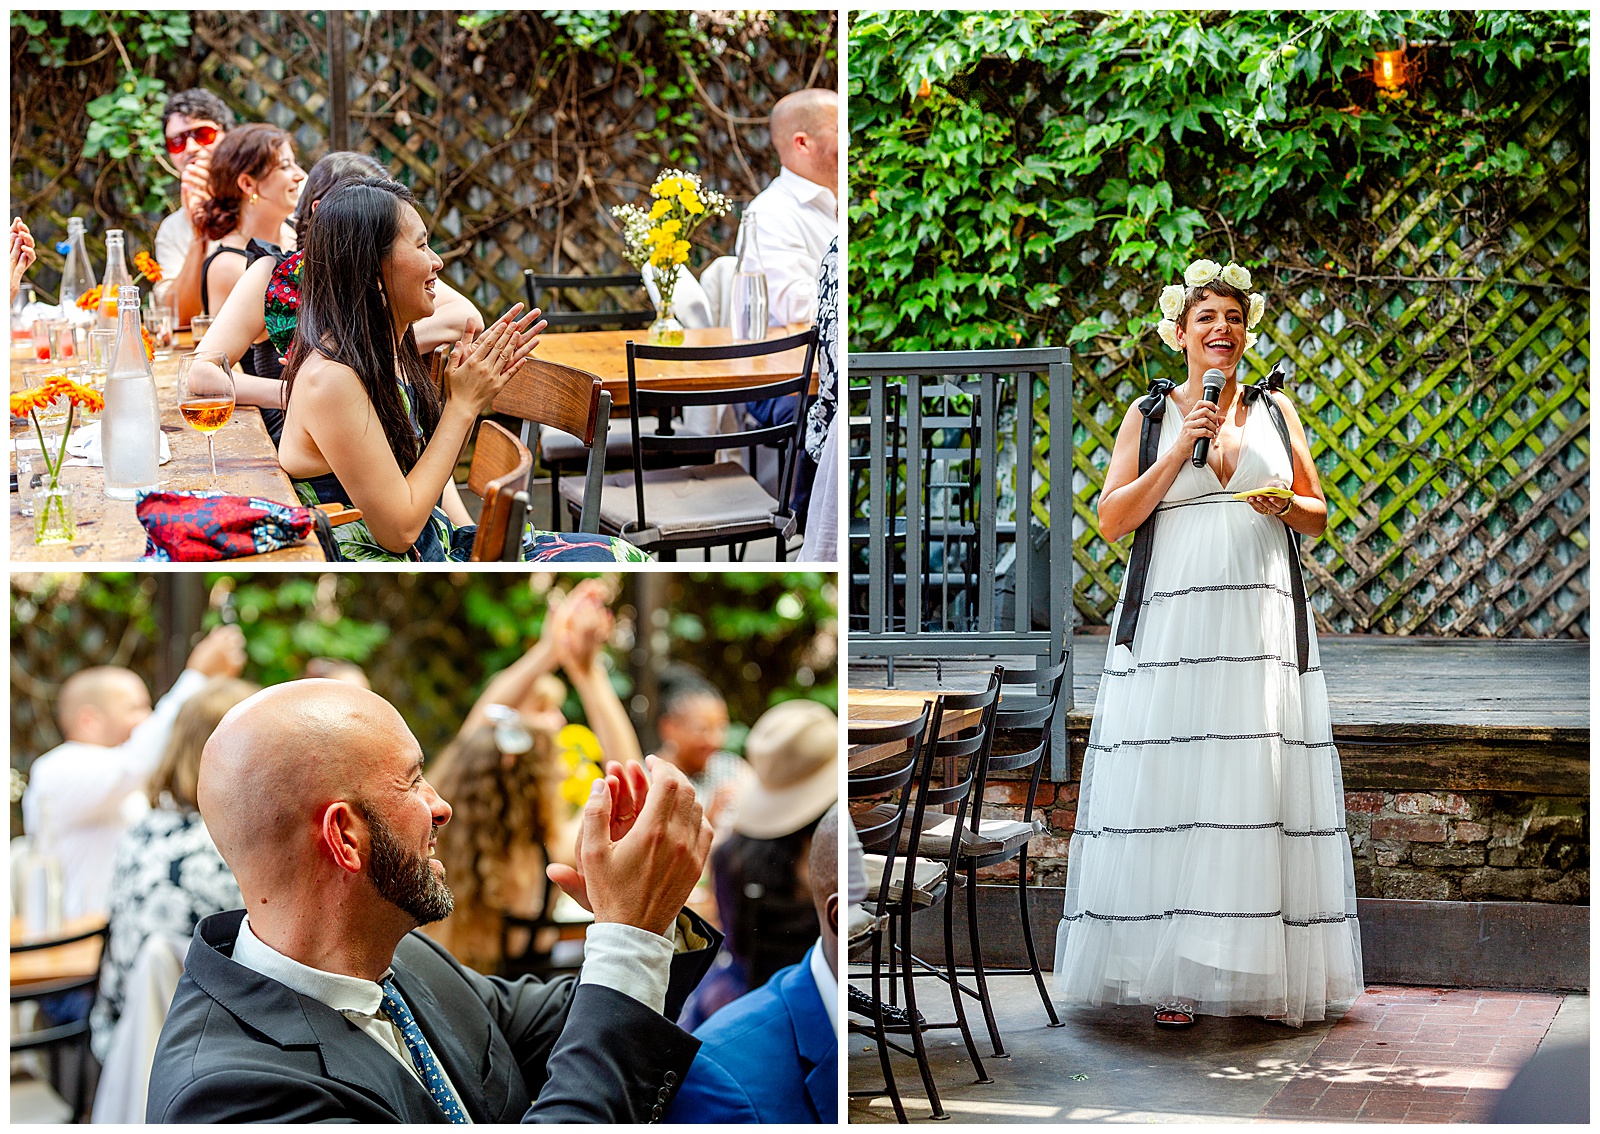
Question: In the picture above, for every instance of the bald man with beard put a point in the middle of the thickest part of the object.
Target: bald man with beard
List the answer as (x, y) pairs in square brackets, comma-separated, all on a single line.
[(320, 1002)]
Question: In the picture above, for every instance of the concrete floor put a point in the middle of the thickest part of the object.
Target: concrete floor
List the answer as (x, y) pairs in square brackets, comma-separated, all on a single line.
[(1108, 1065)]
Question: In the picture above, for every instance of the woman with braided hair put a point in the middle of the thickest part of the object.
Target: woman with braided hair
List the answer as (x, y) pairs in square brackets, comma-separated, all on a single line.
[(1209, 870)]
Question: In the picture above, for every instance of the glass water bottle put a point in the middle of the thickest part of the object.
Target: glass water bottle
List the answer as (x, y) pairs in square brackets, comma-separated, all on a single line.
[(116, 279), (749, 288), (130, 431), (77, 274)]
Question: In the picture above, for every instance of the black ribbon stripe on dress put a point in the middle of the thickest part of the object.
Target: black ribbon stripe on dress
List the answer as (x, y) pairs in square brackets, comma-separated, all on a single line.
[(1263, 392), (1154, 407)]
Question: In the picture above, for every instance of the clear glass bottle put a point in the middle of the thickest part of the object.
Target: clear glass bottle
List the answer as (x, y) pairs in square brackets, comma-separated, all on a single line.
[(77, 274), (116, 279), (749, 288), (130, 430)]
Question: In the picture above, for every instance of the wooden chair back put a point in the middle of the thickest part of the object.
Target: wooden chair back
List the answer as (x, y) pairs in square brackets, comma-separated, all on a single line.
[(549, 393), (500, 467)]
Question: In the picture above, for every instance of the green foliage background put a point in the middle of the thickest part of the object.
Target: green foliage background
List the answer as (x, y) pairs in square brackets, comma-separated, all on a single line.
[(429, 642), (1053, 146)]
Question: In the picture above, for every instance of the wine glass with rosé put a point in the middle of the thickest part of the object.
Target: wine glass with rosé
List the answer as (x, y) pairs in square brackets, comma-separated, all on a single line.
[(206, 396)]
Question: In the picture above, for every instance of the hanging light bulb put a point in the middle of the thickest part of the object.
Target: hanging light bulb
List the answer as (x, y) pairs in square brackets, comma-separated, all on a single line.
[(1389, 71)]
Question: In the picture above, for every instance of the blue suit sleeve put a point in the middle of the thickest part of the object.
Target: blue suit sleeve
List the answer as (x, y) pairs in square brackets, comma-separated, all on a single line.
[(710, 1094)]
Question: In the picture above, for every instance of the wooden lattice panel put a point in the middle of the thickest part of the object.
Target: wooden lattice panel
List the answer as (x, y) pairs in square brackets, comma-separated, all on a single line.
[(516, 153)]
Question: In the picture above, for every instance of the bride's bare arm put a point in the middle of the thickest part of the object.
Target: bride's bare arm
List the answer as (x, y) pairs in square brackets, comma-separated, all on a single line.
[(1127, 498)]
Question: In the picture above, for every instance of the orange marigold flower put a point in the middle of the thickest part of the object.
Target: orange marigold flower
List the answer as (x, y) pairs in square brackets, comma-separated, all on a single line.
[(147, 266), (149, 343), (90, 299)]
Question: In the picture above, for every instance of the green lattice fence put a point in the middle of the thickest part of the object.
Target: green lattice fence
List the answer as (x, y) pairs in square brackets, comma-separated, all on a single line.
[(1445, 391)]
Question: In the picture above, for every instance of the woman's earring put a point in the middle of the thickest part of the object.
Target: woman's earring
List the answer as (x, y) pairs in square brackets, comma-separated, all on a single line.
[(254, 197)]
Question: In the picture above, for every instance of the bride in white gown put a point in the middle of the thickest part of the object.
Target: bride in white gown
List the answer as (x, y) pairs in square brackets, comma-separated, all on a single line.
[(1209, 870)]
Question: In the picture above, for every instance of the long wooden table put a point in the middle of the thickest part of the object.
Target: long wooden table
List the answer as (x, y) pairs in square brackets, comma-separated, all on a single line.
[(605, 355), (80, 959), (109, 530), (896, 706)]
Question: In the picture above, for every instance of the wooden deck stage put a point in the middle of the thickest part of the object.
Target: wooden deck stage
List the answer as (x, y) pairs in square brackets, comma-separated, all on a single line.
[(1472, 714)]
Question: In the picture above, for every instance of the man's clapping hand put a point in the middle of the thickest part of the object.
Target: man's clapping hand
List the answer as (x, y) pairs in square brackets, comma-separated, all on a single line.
[(641, 848)]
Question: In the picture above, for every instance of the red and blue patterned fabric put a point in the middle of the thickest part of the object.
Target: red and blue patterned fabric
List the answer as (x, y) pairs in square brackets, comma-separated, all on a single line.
[(197, 527)]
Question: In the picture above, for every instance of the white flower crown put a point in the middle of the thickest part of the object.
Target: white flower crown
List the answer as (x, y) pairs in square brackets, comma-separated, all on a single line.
[(1198, 274)]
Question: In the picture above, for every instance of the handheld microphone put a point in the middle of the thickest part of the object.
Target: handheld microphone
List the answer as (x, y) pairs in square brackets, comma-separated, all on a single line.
[(1214, 380)]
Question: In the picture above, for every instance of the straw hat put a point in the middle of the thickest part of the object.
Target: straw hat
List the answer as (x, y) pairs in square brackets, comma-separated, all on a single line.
[(794, 751)]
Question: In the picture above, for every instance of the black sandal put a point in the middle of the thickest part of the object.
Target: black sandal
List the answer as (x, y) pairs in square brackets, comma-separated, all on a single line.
[(1182, 1014)]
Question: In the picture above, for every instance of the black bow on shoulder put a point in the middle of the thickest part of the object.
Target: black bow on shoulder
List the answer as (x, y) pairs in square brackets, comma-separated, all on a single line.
[(1271, 384)]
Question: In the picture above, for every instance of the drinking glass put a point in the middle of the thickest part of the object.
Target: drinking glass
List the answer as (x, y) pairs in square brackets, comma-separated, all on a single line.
[(158, 321), (206, 396), (199, 325), (102, 348)]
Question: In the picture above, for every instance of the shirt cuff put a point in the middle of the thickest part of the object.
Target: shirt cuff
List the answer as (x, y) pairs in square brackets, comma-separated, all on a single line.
[(630, 960)]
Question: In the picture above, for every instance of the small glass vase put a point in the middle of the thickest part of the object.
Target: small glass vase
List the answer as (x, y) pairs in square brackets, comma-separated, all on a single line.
[(55, 520), (666, 330)]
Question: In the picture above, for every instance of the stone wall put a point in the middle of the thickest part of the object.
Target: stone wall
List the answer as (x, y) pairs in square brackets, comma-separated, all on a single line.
[(1467, 846)]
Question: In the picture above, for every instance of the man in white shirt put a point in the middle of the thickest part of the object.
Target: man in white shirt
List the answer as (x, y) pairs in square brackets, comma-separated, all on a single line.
[(85, 792), (796, 217), (319, 1002), (194, 121)]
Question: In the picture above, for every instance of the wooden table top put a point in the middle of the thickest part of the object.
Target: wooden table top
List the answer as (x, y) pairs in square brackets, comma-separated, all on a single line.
[(895, 706), (109, 531), (80, 959), (605, 355)]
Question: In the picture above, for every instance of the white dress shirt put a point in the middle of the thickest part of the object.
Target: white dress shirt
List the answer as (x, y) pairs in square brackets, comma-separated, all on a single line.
[(82, 797), (795, 220), (827, 983), (629, 960)]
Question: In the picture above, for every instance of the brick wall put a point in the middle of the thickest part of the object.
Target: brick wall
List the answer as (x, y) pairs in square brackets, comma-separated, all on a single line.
[(1471, 846)]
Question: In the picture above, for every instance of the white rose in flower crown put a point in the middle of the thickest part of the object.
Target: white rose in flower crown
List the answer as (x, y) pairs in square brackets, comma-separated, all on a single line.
[(1201, 272), (1250, 338), (1168, 330), (1258, 305), (1171, 300), (1237, 276)]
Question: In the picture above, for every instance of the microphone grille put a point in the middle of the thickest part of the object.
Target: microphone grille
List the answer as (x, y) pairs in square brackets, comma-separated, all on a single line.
[(1214, 377)]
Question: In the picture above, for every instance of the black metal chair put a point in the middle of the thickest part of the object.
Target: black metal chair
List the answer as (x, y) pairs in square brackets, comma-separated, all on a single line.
[(664, 510), (71, 1035), (633, 319), (879, 830), (1021, 740), (932, 825)]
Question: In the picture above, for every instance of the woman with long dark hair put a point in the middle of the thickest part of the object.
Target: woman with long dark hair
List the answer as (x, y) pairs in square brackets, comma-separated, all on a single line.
[(365, 425), (255, 186), (258, 320)]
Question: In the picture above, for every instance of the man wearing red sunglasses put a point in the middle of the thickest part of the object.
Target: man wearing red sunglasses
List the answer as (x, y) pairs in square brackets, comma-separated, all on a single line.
[(195, 121)]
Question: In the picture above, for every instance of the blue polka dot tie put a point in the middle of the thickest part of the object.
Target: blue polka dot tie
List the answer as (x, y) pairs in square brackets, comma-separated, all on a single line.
[(421, 1053)]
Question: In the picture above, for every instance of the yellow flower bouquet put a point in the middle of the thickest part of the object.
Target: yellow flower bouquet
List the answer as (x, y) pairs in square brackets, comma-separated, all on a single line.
[(656, 240)]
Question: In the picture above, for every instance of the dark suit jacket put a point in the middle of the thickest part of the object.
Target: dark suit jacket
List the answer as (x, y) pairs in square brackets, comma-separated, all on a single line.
[(770, 1056), (240, 1047)]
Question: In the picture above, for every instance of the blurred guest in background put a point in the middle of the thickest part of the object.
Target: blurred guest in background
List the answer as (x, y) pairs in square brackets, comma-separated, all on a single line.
[(22, 254), (503, 778), (84, 793), (760, 873), (773, 1056), (692, 722), (167, 873), (337, 669)]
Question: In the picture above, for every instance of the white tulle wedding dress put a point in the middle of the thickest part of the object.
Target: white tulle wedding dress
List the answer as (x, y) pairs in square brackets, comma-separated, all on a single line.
[(1209, 862)]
